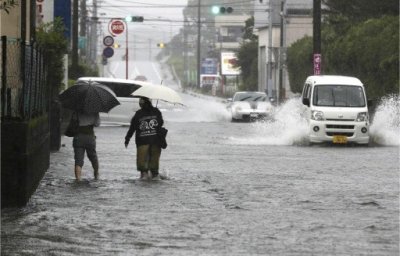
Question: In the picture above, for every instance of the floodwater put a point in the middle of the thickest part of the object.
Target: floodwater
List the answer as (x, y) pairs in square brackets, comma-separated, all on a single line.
[(227, 189)]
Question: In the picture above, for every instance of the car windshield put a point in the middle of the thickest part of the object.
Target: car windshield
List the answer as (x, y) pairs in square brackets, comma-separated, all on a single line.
[(338, 96), (250, 96)]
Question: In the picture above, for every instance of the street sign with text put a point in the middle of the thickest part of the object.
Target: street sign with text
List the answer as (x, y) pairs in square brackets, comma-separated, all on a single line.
[(116, 27), (317, 63)]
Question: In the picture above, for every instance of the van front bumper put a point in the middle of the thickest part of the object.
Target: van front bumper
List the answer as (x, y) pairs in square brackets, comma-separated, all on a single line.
[(339, 132)]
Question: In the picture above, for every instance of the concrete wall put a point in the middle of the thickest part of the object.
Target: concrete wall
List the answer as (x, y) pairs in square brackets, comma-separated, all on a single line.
[(25, 157)]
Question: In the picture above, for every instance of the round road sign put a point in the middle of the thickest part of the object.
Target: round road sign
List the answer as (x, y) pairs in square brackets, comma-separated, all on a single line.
[(108, 52), (117, 27), (108, 40)]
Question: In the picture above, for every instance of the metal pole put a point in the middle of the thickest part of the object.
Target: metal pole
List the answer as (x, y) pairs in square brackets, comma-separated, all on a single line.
[(281, 92), (317, 34), (198, 42), (126, 51), (269, 73), (74, 57)]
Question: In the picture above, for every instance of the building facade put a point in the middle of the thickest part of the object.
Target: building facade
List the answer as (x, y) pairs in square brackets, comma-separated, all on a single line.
[(279, 23)]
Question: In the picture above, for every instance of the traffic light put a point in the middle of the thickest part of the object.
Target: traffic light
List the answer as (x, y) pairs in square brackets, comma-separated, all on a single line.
[(221, 9), (161, 45), (134, 19)]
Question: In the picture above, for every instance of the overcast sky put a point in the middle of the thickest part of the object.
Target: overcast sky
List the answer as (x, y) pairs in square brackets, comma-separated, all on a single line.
[(162, 18)]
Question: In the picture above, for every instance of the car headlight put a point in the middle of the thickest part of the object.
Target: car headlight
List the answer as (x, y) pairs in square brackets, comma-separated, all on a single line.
[(238, 108), (317, 115), (362, 117)]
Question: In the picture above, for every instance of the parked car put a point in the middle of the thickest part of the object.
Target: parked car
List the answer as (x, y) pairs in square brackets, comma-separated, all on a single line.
[(123, 88), (336, 109), (249, 106), (141, 78)]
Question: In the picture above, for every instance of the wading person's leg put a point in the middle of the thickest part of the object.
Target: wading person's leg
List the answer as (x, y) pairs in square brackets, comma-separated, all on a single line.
[(142, 155)]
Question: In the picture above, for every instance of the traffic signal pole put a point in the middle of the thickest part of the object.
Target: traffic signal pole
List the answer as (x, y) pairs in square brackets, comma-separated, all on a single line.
[(198, 42)]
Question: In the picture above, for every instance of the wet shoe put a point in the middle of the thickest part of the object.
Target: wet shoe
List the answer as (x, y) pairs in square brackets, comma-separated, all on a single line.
[(144, 176), (156, 178), (96, 175)]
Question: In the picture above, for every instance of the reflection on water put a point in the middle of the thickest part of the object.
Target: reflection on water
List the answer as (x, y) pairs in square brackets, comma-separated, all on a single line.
[(225, 192)]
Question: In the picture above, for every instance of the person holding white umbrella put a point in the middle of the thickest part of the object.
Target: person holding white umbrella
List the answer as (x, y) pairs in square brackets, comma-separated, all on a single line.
[(146, 123)]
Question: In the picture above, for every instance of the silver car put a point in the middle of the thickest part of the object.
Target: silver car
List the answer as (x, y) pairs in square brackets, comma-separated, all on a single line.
[(249, 106)]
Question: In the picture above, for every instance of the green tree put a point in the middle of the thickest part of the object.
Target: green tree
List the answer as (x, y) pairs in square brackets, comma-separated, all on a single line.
[(247, 58), (6, 5), (51, 39), (299, 61), (373, 59)]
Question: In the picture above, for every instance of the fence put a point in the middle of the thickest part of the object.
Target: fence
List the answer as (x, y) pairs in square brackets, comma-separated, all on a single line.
[(24, 94)]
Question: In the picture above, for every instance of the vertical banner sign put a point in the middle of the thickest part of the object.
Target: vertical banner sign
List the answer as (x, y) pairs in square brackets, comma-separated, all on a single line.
[(63, 10), (209, 66), (317, 63), (228, 64)]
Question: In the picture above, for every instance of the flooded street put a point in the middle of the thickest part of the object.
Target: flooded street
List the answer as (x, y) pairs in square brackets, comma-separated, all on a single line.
[(227, 189)]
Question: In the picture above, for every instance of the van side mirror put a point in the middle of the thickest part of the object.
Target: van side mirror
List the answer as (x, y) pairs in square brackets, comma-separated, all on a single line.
[(306, 101), (229, 100)]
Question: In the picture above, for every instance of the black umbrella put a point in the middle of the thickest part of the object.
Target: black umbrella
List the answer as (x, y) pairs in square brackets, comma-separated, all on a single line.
[(89, 97)]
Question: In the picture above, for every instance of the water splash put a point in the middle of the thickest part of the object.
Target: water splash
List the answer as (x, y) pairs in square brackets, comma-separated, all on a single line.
[(385, 127), (200, 108), (288, 127)]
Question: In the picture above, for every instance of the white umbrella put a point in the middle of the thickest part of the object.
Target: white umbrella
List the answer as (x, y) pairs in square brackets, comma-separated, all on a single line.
[(158, 92)]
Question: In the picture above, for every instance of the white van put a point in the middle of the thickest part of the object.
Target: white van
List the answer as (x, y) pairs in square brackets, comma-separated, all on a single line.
[(123, 88), (337, 109)]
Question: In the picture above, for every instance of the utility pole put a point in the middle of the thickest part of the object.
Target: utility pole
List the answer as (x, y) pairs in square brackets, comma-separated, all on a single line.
[(317, 36), (269, 71), (150, 43), (82, 31), (74, 57), (185, 50), (198, 42), (94, 33), (281, 52)]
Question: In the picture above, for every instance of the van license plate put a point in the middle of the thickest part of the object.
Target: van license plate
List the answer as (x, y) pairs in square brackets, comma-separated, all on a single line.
[(253, 115), (339, 139)]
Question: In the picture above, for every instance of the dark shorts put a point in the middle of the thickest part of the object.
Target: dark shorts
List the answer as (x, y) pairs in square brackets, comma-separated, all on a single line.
[(85, 143)]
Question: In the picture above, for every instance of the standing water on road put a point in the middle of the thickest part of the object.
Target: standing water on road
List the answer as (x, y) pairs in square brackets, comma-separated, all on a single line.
[(289, 127), (227, 189)]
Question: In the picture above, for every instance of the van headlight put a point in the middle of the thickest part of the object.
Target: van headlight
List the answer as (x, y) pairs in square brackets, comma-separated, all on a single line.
[(362, 117), (317, 115)]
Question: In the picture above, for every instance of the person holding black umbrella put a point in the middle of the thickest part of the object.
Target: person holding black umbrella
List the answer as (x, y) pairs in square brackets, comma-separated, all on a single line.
[(146, 122), (87, 99), (85, 141)]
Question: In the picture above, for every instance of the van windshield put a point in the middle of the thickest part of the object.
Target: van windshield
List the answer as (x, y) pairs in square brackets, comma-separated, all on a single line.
[(338, 96)]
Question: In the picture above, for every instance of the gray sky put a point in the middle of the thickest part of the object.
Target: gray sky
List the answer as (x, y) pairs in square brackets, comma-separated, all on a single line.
[(162, 18)]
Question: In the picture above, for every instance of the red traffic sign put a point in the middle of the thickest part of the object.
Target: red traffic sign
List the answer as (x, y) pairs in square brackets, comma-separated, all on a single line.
[(116, 27)]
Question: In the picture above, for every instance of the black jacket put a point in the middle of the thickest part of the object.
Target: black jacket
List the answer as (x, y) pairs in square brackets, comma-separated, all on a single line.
[(146, 122)]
